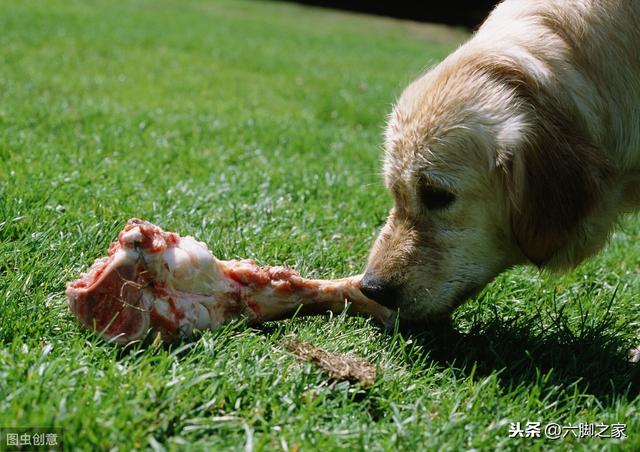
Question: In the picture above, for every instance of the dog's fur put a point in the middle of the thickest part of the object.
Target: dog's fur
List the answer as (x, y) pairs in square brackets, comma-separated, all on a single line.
[(534, 126)]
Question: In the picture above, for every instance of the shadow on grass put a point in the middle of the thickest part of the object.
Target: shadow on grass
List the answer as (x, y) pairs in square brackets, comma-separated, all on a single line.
[(589, 353)]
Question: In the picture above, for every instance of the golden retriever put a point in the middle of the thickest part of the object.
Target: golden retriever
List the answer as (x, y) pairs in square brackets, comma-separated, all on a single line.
[(522, 146)]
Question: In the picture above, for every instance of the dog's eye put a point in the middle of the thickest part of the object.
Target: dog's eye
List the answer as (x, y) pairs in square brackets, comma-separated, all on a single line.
[(436, 198)]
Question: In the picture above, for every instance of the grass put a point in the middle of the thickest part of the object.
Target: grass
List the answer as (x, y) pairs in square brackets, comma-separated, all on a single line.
[(256, 127)]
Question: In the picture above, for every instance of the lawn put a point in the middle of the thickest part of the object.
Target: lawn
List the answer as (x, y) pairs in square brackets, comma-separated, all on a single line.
[(256, 127)]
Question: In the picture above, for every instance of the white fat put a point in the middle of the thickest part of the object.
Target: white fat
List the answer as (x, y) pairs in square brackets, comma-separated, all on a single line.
[(125, 254), (179, 263), (200, 255), (162, 308), (132, 236), (123, 257), (196, 313), (217, 315), (203, 320)]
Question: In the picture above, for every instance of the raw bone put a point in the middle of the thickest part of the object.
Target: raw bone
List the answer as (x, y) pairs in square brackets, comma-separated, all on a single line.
[(172, 285)]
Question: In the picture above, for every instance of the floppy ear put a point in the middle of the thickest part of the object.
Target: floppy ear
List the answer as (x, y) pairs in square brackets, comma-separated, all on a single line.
[(554, 179), (554, 174)]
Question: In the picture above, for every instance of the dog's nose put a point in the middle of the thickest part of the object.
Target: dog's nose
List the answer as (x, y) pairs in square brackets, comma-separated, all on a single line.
[(379, 290)]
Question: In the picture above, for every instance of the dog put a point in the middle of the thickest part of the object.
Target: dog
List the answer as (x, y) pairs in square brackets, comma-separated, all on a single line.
[(522, 146)]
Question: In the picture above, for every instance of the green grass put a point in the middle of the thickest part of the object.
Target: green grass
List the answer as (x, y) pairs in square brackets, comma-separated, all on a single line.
[(256, 127)]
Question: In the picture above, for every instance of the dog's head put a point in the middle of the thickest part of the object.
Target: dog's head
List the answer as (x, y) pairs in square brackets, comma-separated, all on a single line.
[(485, 174)]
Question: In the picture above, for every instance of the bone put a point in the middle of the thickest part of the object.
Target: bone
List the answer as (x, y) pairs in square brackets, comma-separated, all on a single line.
[(158, 283)]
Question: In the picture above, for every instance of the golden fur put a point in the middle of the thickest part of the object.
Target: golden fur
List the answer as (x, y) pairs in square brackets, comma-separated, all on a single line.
[(534, 126)]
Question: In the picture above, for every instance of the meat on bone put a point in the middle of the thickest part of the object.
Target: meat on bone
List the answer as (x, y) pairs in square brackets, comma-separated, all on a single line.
[(161, 282)]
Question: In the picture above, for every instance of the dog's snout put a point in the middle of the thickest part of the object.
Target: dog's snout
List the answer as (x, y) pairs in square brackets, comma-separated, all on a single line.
[(379, 290)]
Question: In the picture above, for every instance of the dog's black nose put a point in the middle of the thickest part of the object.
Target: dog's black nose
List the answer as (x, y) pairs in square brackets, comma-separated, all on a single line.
[(379, 290)]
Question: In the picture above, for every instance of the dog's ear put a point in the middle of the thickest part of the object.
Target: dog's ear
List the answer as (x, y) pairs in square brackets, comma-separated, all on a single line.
[(554, 179), (554, 175)]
